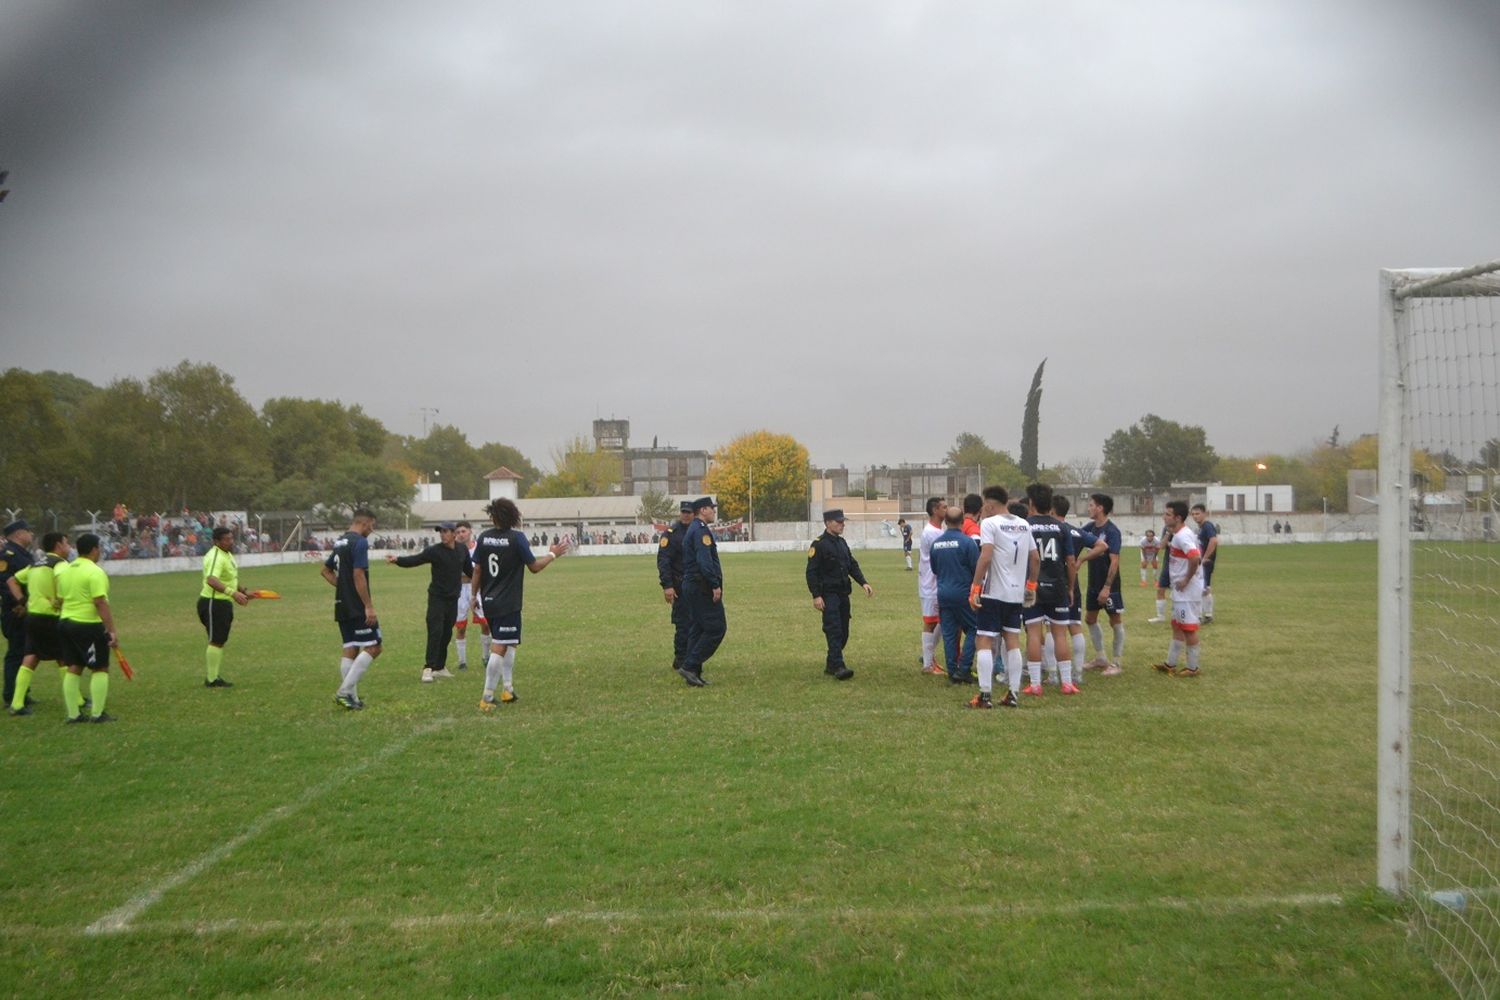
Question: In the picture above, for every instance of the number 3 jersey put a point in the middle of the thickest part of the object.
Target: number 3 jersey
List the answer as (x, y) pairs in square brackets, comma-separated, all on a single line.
[(501, 558)]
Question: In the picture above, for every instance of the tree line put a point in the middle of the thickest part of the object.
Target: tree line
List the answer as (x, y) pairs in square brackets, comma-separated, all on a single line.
[(185, 438)]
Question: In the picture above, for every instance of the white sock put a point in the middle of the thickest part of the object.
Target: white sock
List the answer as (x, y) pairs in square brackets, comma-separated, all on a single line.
[(1013, 670), (929, 643), (1119, 642), (1049, 652), (356, 671), (507, 666), (345, 663), (485, 646), (463, 647), (1161, 607), (1193, 657), (492, 673), (908, 562), (1080, 651), (1034, 669), (1065, 670), (1174, 650), (1097, 635), (985, 659), (1208, 605), (1143, 574)]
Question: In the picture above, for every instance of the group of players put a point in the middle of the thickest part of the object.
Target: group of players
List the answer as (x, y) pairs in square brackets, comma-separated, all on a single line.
[(992, 571)]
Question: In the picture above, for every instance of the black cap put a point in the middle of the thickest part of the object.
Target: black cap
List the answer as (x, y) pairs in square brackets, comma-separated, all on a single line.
[(702, 502), (686, 507), (14, 526), (447, 526), (833, 514)]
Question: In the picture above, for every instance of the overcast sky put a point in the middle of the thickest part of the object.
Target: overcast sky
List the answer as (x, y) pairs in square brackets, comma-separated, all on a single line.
[(863, 224)]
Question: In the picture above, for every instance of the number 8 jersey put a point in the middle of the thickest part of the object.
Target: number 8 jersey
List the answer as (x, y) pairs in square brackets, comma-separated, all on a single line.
[(501, 558)]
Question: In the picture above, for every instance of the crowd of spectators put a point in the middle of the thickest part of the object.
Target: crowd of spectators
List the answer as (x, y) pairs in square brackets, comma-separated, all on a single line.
[(150, 536)]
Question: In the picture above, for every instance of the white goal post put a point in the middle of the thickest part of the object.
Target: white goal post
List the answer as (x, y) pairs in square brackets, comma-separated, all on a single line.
[(1438, 816)]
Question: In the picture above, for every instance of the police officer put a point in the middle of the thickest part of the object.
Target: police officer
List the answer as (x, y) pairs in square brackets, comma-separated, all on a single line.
[(669, 571), (703, 587), (830, 564), (15, 555)]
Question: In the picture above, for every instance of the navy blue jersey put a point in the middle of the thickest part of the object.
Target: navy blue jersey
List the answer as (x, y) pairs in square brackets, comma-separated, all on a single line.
[(700, 558), (954, 557), (14, 557), (1054, 545), (1206, 532), (1099, 565), (669, 556), (350, 552), (501, 558)]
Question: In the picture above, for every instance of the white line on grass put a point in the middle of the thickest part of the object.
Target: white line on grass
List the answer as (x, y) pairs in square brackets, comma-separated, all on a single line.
[(120, 919), (769, 914)]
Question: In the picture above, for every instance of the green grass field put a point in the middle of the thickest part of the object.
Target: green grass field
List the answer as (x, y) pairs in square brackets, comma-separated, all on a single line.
[(616, 833)]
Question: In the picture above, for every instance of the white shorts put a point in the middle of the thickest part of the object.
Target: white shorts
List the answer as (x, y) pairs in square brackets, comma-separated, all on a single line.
[(929, 607), (1185, 613), (466, 603)]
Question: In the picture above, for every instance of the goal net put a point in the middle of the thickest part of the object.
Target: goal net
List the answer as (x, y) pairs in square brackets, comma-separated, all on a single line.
[(1439, 720)]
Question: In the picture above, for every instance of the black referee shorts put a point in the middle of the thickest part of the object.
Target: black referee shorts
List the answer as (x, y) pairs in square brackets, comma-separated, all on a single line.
[(216, 617)]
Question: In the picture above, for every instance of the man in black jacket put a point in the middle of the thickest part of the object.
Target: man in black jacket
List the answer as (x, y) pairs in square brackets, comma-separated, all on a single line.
[(830, 564), (451, 566), (669, 571)]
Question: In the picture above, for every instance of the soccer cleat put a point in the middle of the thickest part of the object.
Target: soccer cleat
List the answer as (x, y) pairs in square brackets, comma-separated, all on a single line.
[(694, 680), (507, 696), (1097, 663), (1070, 689), (1186, 672), (1034, 690), (443, 673), (933, 668), (359, 704), (981, 700), (843, 674), (462, 665), (1163, 668), (1208, 619), (76, 719), (1155, 621), (23, 710), (217, 682), (1009, 701), (102, 717), (347, 701), (426, 675), (487, 703), (1113, 670), (1050, 677)]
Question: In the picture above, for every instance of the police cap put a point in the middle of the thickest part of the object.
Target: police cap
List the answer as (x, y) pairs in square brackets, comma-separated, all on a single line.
[(686, 507), (702, 502), (833, 514)]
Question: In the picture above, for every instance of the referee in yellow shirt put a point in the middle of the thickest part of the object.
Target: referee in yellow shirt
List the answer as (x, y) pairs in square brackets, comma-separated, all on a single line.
[(87, 630), (221, 592)]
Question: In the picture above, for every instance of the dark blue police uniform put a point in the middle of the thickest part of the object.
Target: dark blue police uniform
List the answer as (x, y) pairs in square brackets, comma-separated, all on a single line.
[(14, 557), (701, 576), (669, 572), (830, 564)]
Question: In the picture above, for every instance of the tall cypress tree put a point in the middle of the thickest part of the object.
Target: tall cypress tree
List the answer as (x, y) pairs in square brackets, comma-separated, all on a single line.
[(1031, 423)]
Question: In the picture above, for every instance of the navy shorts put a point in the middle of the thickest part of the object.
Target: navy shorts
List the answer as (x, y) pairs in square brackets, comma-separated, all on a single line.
[(1052, 614), (998, 616), (505, 630), (1164, 580), (1116, 603), (1208, 574), (357, 633)]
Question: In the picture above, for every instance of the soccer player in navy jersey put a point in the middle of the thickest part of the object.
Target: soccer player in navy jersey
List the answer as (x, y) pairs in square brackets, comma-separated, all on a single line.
[(1104, 591), (501, 554), (1050, 613), (1208, 544), (347, 568)]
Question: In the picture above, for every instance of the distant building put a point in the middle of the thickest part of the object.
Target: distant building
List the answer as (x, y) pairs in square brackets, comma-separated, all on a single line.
[(503, 483), (663, 469), (1265, 498), (911, 485)]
